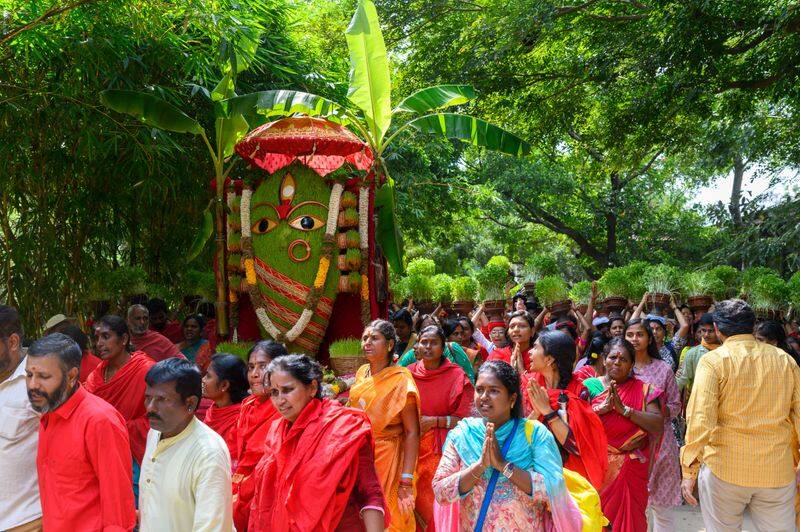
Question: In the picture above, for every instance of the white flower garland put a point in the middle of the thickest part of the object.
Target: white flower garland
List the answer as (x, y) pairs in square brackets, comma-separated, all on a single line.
[(245, 212), (330, 228), (363, 217)]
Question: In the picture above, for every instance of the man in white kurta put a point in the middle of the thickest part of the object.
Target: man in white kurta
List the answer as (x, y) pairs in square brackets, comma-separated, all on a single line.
[(185, 481), (19, 432)]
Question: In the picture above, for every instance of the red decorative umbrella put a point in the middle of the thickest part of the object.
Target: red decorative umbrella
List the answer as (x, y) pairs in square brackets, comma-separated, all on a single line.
[(319, 144)]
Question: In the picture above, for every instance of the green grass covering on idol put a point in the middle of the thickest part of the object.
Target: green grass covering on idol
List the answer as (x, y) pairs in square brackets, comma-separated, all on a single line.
[(239, 349), (272, 238), (346, 347)]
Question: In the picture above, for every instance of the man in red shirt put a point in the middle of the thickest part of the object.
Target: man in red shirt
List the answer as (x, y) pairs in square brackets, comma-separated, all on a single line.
[(84, 459), (154, 344)]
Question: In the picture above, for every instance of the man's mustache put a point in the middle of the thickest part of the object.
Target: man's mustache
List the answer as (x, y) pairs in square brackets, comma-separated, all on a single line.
[(154, 416)]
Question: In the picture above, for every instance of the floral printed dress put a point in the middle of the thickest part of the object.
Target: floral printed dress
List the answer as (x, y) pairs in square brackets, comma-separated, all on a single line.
[(511, 508), (665, 478)]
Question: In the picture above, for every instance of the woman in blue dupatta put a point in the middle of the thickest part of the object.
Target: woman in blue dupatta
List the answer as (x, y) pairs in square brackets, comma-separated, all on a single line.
[(502, 471)]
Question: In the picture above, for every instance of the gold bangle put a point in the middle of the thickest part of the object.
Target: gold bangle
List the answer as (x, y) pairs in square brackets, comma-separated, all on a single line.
[(469, 470)]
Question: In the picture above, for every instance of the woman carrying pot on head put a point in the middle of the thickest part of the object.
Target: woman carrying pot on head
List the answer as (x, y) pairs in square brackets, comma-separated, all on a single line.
[(501, 471), (631, 415), (669, 350), (496, 330), (255, 417), (389, 396), (665, 477), (319, 473), (452, 329), (475, 352), (521, 328), (446, 396), (578, 431)]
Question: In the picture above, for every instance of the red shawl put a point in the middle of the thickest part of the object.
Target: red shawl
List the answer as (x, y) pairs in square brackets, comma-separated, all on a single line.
[(578, 376), (591, 462), (223, 422), (125, 392), (88, 363), (313, 459), (504, 354), (444, 391), (156, 346), (255, 418), (173, 331)]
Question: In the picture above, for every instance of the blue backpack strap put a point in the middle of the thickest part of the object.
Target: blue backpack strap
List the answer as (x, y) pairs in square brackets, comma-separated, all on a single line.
[(487, 498)]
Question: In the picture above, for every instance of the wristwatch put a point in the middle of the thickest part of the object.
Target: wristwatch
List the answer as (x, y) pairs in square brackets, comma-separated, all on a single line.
[(627, 412), (508, 470)]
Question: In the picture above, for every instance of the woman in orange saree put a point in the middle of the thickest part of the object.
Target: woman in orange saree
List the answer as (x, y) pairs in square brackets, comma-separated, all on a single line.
[(255, 417), (446, 396), (630, 412), (390, 399)]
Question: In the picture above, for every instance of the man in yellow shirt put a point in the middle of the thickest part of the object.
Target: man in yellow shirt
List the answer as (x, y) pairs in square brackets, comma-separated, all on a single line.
[(743, 422)]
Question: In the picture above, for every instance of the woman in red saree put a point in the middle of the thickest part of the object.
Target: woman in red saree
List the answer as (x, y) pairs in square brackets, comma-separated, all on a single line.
[(255, 418), (446, 396), (547, 398), (119, 379), (319, 474), (225, 383), (630, 412)]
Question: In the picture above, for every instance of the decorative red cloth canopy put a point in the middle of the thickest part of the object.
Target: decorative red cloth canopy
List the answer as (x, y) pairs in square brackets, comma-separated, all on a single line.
[(321, 145)]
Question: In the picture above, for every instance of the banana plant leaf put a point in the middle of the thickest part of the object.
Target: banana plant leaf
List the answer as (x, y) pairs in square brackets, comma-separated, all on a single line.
[(370, 84), (200, 239), (436, 98), (228, 130), (151, 110), (276, 103), (472, 131), (387, 232)]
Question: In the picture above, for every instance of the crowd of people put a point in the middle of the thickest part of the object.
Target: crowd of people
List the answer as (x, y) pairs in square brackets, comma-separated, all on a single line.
[(579, 421)]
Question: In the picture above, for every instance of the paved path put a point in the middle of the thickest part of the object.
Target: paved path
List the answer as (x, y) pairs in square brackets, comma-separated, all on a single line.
[(688, 519)]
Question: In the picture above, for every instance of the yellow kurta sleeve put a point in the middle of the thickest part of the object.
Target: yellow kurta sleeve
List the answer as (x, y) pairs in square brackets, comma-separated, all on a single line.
[(701, 416)]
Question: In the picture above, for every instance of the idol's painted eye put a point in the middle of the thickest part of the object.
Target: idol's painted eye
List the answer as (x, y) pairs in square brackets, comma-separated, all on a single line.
[(306, 223), (264, 225)]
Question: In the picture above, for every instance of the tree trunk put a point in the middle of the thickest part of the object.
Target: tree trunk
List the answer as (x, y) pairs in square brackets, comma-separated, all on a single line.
[(735, 206), (219, 256)]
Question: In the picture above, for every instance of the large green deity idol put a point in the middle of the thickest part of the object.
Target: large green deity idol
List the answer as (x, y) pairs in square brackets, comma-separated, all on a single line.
[(299, 234)]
